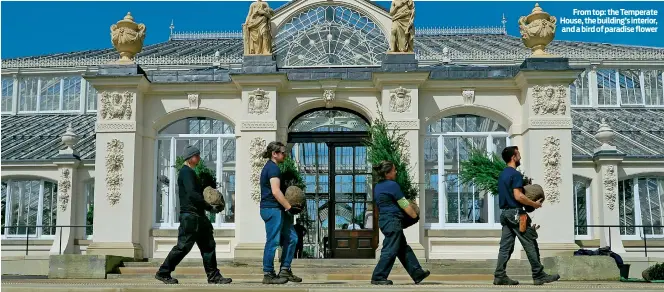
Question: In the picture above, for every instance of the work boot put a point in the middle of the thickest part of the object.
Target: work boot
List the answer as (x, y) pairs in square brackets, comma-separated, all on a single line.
[(546, 279), (288, 274), (219, 279), (504, 281), (381, 282), (272, 278), (421, 275), (167, 279)]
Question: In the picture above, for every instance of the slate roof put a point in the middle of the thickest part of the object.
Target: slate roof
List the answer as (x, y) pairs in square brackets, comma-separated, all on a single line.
[(639, 133)]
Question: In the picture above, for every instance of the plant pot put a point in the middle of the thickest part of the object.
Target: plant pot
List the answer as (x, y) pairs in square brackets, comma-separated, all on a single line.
[(624, 271)]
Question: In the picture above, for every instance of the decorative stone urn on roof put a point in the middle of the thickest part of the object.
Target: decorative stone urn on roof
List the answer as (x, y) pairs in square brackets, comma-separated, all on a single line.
[(127, 37), (605, 135), (69, 138), (537, 30)]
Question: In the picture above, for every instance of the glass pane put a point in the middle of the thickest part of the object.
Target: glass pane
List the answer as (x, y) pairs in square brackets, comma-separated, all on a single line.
[(651, 213), (163, 180), (49, 208), (580, 207), (626, 207), (630, 87), (50, 94), (344, 216), (89, 207), (343, 188), (27, 95), (208, 148), (72, 93), (343, 160), (329, 120), (606, 87), (92, 98), (198, 125), (7, 94)]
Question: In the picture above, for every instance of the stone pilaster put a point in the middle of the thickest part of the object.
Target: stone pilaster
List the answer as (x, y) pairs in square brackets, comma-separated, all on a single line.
[(545, 146), (67, 161), (399, 105), (119, 172), (607, 158), (257, 128)]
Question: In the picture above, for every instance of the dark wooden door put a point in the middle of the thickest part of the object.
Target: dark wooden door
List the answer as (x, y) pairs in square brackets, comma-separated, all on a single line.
[(351, 225)]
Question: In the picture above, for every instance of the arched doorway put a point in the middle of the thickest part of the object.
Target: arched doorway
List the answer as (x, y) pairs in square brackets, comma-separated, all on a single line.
[(328, 148)]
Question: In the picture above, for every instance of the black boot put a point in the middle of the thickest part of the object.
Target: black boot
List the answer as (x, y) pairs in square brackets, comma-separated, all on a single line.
[(504, 281), (421, 275), (546, 279), (288, 274), (167, 279), (381, 282), (217, 278), (272, 278)]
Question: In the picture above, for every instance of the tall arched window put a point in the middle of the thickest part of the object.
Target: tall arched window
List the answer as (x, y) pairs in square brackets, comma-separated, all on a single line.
[(448, 143), (641, 202), (27, 204), (216, 140)]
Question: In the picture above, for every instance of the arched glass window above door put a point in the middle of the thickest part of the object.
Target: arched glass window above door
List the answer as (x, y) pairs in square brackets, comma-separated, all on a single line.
[(448, 142), (328, 120)]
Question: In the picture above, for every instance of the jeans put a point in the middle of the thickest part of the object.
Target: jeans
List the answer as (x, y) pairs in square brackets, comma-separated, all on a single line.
[(528, 240), (279, 231), (395, 246), (193, 229)]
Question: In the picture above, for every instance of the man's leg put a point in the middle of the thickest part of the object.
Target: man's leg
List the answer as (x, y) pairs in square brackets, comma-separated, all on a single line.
[(409, 260), (529, 244), (207, 246), (272, 219), (186, 240), (506, 249), (289, 242), (388, 253)]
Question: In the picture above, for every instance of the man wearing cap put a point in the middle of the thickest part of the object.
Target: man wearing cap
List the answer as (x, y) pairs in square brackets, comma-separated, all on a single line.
[(195, 227)]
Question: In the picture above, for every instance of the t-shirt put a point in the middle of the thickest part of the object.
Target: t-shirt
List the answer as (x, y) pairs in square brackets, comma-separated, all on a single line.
[(190, 192), (509, 180), (386, 195), (269, 171)]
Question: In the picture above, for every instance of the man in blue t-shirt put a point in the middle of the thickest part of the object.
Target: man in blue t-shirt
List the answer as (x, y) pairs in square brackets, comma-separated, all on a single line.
[(512, 201)]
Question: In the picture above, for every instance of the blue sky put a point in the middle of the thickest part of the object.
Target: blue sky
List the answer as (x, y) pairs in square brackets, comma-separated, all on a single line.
[(35, 28)]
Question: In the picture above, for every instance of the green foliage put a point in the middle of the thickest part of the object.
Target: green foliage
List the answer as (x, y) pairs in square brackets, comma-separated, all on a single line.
[(384, 144), (207, 176), (655, 273), (290, 175), (482, 169)]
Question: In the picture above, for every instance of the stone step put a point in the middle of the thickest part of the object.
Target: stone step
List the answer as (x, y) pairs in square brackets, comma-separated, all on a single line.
[(317, 270), (324, 277)]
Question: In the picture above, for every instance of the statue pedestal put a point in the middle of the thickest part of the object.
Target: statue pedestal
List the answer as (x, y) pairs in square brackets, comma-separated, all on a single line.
[(399, 62), (551, 63), (259, 64)]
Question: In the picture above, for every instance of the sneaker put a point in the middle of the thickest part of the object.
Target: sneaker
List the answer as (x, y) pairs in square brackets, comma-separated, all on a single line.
[(504, 281), (422, 275), (288, 274), (219, 279), (381, 282), (272, 278), (546, 279), (167, 279)]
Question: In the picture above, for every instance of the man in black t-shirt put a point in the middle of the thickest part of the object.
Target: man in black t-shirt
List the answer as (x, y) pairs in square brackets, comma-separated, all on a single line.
[(195, 227), (512, 200)]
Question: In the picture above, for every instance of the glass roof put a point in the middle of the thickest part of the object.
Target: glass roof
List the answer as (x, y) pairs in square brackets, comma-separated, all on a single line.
[(330, 35)]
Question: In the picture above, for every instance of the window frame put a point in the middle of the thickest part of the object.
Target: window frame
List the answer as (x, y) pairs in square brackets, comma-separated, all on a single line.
[(638, 231), (588, 185), (40, 210)]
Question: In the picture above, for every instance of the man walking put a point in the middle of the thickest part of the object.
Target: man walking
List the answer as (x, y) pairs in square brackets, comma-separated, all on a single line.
[(301, 232), (512, 201), (195, 227)]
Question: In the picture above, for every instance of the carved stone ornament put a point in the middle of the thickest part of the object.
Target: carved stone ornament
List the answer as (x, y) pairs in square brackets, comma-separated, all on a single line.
[(549, 100), (403, 26), (537, 30), (64, 185), (405, 152), (116, 105), (328, 96), (468, 96), (399, 100), (127, 37), (256, 148), (256, 30), (551, 161), (193, 100), (259, 102), (610, 186), (114, 168)]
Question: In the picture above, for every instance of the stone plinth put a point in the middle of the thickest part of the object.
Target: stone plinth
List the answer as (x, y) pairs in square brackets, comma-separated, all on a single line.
[(77, 266), (545, 64), (259, 64), (399, 62), (583, 268)]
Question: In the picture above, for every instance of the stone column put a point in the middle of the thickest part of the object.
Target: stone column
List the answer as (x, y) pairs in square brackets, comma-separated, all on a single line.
[(67, 161), (546, 147), (257, 128), (120, 172), (399, 104), (605, 193)]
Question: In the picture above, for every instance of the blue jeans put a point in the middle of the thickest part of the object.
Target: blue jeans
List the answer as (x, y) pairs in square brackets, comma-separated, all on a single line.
[(279, 231)]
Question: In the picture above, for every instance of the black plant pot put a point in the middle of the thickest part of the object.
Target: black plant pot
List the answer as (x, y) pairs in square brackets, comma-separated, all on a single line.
[(624, 271)]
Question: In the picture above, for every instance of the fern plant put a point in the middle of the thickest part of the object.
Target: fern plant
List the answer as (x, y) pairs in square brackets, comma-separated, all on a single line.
[(482, 169), (290, 174), (207, 176), (384, 144)]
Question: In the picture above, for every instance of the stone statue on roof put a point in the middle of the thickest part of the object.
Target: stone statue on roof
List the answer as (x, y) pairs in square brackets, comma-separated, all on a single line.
[(402, 35), (256, 30)]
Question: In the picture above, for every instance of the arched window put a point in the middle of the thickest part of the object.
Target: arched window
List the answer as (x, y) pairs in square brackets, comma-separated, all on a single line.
[(581, 207), (216, 141), (29, 207), (330, 35), (641, 202), (448, 143), (331, 120)]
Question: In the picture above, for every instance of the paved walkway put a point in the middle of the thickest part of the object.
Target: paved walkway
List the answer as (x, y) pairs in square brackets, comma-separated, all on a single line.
[(30, 285)]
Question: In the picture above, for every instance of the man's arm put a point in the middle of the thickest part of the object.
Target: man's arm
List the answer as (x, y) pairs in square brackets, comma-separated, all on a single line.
[(195, 197), (275, 184)]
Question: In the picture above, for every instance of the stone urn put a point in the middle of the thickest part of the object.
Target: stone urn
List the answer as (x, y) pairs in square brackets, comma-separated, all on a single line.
[(127, 37), (605, 136), (537, 30)]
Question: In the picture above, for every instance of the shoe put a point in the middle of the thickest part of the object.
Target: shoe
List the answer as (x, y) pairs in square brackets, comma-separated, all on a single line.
[(272, 278), (219, 279), (288, 274), (546, 279), (422, 275), (504, 281), (381, 282), (167, 279)]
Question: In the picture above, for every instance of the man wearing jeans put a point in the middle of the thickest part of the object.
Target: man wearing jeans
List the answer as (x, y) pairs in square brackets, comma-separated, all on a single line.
[(512, 200), (277, 214)]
